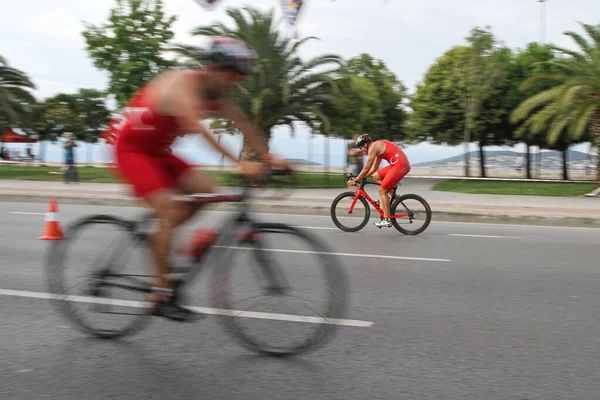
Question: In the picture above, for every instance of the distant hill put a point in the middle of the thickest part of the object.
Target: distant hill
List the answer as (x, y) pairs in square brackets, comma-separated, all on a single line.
[(572, 156), (299, 161)]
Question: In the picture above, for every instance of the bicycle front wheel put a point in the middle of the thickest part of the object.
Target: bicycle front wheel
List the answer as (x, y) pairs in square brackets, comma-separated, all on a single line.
[(347, 219), (97, 277), (279, 274)]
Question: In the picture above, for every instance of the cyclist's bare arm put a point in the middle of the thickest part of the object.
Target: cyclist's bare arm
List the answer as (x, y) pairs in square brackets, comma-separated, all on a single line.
[(372, 154), (181, 97), (256, 137), (374, 168)]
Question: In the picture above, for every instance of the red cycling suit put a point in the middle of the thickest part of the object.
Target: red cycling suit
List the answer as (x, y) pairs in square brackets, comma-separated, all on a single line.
[(398, 168), (143, 137)]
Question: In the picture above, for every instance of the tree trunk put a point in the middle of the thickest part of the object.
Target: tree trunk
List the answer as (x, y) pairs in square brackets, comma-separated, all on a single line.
[(467, 135), (528, 162), (588, 159), (248, 153), (565, 169), (596, 127), (326, 159), (309, 153), (481, 159), (90, 152), (222, 160), (42, 154)]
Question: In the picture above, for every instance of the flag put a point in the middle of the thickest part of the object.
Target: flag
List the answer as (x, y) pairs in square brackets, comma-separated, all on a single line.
[(208, 4), (292, 9)]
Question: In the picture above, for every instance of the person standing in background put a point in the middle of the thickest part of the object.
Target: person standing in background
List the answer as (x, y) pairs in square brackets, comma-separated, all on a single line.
[(70, 169), (354, 156)]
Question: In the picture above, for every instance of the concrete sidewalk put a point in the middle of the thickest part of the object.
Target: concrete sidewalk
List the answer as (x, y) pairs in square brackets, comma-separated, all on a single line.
[(446, 206)]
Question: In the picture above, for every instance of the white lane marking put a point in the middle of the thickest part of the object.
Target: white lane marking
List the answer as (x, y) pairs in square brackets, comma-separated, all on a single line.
[(485, 236), (27, 213), (205, 310), (500, 224), (344, 254), (326, 228)]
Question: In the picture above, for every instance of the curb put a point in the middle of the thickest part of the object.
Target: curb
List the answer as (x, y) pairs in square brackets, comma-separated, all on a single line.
[(299, 208)]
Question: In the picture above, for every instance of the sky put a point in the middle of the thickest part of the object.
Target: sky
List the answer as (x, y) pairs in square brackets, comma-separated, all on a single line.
[(43, 38)]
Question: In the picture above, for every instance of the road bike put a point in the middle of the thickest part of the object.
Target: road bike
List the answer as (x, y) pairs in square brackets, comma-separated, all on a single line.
[(239, 234), (350, 210)]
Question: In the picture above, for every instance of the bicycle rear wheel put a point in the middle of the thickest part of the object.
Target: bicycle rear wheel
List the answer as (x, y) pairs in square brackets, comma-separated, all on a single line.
[(415, 211), (106, 288), (264, 250)]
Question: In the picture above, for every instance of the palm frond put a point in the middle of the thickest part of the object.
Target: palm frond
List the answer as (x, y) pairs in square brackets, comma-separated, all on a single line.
[(525, 108), (582, 120)]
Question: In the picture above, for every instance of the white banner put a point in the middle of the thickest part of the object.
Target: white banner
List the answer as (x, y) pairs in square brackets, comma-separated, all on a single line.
[(292, 10)]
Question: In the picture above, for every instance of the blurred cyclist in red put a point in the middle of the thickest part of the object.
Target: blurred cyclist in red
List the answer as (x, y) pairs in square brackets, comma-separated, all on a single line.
[(388, 176), (170, 105)]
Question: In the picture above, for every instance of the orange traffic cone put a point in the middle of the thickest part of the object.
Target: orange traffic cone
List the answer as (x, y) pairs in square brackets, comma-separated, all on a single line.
[(52, 229)]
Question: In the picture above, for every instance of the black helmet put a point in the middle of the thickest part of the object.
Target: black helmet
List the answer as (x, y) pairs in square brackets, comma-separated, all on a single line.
[(232, 54), (362, 139)]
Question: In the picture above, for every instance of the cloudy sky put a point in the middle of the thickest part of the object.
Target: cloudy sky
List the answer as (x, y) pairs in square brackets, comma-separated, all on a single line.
[(43, 38)]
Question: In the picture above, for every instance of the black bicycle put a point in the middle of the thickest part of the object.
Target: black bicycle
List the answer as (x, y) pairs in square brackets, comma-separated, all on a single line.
[(406, 211), (241, 236)]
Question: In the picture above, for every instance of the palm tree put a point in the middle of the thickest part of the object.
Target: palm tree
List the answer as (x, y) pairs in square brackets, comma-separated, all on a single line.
[(284, 89), (572, 104), (14, 93)]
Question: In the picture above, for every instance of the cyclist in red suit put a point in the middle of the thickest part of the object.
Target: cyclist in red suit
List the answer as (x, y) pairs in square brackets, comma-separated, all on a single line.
[(388, 176), (171, 105)]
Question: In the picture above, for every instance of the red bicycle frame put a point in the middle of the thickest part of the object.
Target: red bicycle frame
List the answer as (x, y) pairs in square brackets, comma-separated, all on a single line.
[(360, 193)]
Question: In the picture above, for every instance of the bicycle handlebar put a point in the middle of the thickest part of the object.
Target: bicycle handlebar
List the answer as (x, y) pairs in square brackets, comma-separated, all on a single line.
[(265, 180), (363, 181)]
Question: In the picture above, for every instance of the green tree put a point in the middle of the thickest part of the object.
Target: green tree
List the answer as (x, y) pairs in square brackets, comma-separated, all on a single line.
[(359, 109), (371, 99), (390, 92), (572, 104), (436, 107), (90, 107), (477, 73), (130, 46), (50, 118), (15, 95), (443, 104), (285, 89), (528, 62)]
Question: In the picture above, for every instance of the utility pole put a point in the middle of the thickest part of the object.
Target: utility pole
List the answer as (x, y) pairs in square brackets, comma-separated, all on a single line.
[(542, 21), (542, 42)]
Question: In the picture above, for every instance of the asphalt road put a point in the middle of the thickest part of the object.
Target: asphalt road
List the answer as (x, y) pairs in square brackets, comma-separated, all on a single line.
[(463, 311)]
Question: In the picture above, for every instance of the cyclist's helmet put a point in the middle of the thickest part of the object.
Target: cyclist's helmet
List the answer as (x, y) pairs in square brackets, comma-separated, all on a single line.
[(362, 139), (232, 54)]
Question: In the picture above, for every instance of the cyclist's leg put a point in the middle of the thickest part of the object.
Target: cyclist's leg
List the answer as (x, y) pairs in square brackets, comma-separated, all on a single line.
[(169, 215), (192, 181), (379, 177), (391, 179), (188, 180), (182, 177), (151, 179)]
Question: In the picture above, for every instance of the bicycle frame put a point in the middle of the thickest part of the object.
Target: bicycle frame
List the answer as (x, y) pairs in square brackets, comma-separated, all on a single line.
[(361, 192), (225, 238)]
